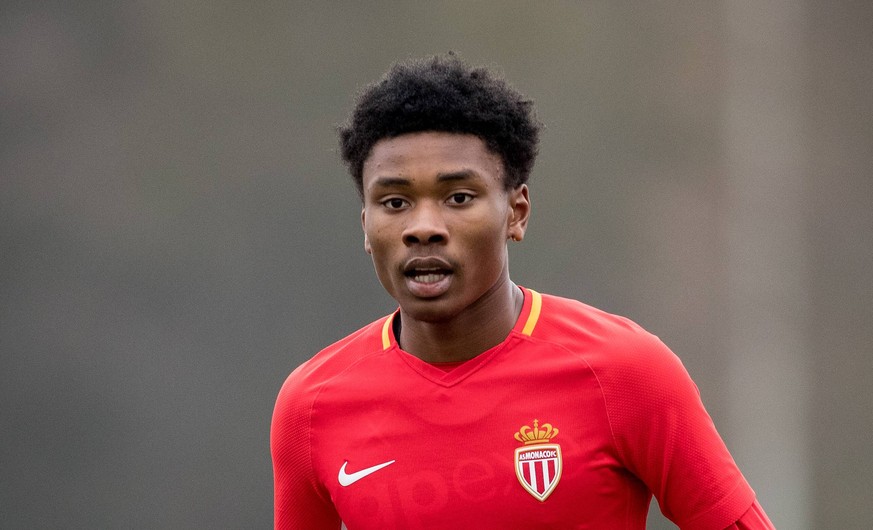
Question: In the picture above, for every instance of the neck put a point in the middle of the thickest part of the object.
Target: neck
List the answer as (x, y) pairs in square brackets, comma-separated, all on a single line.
[(483, 325)]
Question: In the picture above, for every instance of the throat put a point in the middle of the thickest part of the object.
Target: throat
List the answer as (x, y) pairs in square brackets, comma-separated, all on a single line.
[(462, 338)]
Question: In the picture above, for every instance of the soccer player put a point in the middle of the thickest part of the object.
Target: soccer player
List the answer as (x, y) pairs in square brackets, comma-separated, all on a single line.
[(480, 403)]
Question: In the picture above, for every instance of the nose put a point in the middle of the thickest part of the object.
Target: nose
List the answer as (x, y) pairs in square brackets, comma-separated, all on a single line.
[(426, 226)]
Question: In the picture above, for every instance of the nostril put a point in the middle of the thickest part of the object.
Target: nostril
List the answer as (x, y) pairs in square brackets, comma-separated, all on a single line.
[(415, 240)]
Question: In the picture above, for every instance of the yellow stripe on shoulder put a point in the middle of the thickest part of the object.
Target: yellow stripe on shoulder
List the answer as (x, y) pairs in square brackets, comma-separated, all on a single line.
[(386, 336), (536, 304)]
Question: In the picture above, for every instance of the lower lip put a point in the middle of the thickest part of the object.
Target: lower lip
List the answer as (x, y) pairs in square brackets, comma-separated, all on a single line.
[(429, 289)]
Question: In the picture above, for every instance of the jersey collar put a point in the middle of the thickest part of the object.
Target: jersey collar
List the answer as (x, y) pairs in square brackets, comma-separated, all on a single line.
[(527, 319)]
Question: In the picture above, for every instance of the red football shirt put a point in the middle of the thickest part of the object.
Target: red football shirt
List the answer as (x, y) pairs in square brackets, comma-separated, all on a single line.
[(573, 421)]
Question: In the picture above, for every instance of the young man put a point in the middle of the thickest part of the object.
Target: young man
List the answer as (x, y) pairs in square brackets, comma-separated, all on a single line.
[(479, 403)]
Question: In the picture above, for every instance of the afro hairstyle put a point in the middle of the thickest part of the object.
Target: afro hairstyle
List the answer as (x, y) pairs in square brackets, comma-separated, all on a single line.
[(442, 93)]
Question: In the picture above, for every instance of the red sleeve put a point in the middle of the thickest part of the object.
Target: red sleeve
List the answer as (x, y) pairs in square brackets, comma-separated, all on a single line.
[(753, 519), (666, 438), (300, 501)]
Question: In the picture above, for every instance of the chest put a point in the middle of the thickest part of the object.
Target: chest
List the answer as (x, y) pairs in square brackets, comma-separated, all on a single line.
[(500, 449)]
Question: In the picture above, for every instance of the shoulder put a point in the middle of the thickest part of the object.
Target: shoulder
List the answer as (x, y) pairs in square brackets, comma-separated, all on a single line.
[(619, 351), (293, 408), (565, 314), (303, 385), (588, 329), (336, 358)]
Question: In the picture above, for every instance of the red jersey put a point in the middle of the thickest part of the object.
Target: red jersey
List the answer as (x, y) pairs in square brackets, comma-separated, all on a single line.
[(573, 421)]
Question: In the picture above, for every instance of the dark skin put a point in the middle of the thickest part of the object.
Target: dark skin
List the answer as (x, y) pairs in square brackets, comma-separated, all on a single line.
[(437, 217)]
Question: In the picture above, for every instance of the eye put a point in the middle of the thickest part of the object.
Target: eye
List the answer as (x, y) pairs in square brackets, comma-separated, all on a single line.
[(460, 198), (394, 203)]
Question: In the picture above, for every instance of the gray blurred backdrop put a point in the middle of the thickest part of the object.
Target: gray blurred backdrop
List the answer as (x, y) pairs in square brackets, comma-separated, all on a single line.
[(177, 232)]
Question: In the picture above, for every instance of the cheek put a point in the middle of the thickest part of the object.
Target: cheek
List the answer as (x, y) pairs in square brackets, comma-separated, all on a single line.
[(379, 244), (382, 267), (487, 245), (380, 252)]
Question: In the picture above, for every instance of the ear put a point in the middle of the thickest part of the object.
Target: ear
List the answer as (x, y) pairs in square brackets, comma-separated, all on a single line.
[(519, 212), (367, 248)]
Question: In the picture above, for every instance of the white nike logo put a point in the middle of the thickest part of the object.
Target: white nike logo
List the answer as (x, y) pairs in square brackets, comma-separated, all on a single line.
[(347, 479)]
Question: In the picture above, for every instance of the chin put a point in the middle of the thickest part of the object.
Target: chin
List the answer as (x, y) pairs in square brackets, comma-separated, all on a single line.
[(430, 311)]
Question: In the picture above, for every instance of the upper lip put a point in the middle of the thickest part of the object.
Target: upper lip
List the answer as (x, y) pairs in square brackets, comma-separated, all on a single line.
[(430, 263)]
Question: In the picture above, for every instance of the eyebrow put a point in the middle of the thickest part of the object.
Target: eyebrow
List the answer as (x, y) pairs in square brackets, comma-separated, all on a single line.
[(464, 174), (387, 182)]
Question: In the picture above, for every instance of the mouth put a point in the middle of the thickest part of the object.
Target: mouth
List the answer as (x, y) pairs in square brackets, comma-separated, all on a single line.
[(427, 277)]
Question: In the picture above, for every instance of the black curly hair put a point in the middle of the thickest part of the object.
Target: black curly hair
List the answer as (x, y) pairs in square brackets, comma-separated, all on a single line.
[(442, 93)]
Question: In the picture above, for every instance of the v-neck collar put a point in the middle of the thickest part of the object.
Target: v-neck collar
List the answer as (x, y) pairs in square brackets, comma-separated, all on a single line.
[(524, 325)]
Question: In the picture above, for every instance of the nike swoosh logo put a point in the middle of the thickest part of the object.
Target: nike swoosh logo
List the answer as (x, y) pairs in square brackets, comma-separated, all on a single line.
[(347, 479)]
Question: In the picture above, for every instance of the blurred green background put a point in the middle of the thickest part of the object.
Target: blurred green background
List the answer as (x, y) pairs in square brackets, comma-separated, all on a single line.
[(177, 232)]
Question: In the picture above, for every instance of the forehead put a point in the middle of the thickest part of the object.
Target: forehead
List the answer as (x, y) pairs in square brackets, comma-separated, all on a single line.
[(429, 154)]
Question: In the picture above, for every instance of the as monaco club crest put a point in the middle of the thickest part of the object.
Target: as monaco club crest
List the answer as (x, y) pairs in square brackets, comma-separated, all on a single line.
[(538, 462)]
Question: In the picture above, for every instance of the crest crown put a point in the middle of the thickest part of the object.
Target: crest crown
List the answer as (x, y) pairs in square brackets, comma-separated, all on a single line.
[(537, 435)]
